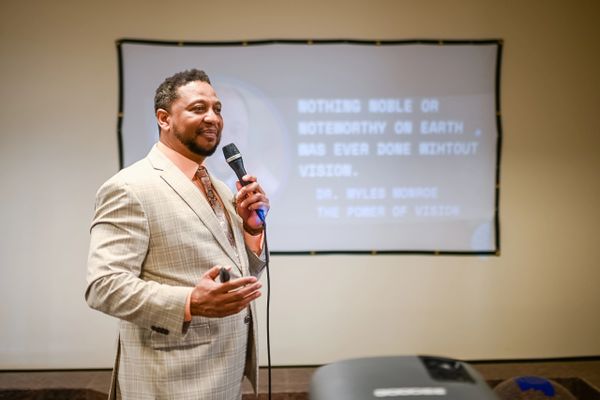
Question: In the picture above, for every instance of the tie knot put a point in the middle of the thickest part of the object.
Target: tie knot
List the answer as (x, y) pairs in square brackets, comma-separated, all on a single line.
[(202, 172)]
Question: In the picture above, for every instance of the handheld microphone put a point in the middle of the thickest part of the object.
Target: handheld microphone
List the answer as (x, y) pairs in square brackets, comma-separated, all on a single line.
[(234, 159)]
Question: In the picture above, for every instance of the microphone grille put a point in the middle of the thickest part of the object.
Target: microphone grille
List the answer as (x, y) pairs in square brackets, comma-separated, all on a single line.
[(230, 150)]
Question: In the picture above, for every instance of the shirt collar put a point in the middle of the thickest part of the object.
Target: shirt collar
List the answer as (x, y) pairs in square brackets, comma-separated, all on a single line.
[(187, 166)]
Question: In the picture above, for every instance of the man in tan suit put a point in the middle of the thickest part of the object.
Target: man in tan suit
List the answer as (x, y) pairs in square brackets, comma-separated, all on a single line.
[(157, 246)]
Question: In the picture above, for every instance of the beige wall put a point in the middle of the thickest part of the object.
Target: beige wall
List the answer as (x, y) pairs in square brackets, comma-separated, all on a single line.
[(540, 298)]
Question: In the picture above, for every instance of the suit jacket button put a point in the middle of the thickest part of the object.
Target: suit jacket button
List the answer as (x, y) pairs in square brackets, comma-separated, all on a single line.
[(247, 319)]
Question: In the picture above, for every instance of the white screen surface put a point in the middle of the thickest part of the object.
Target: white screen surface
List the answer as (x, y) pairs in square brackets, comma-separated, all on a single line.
[(360, 147)]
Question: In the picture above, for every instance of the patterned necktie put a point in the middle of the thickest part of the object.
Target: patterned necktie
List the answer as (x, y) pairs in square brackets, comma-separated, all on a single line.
[(216, 205)]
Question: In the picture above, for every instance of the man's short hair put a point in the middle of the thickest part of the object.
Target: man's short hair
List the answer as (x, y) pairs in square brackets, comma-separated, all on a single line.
[(166, 93)]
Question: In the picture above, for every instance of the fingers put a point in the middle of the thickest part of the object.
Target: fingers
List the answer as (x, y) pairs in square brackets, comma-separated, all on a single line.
[(236, 289), (236, 284), (235, 301), (212, 273), (242, 293), (248, 179), (252, 197), (213, 299), (254, 202), (250, 188)]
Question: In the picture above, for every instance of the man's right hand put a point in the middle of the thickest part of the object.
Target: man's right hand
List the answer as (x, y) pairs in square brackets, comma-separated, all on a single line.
[(213, 299)]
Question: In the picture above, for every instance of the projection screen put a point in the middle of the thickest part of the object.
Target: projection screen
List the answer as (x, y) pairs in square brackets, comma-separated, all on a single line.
[(361, 146)]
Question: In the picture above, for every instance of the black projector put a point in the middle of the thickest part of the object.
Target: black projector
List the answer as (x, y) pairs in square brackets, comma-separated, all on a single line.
[(401, 377)]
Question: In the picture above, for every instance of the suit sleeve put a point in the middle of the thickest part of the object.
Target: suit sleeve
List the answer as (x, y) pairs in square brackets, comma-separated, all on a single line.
[(118, 246), (256, 264)]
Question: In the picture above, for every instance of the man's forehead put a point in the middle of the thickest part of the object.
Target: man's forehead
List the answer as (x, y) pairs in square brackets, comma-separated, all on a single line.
[(196, 89)]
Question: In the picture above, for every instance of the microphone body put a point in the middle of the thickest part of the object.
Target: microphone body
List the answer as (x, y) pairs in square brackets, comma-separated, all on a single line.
[(234, 159)]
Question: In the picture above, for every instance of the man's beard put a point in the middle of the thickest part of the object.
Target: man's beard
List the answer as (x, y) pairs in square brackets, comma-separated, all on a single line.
[(195, 148)]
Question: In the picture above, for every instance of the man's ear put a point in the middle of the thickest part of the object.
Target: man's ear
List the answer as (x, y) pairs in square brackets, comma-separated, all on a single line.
[(163, 118)]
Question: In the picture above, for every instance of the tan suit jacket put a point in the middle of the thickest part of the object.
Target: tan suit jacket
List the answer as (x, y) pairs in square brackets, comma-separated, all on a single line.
[(152, 237)]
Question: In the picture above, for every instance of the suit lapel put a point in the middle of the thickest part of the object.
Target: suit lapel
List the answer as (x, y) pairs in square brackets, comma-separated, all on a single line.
[(191, 195)]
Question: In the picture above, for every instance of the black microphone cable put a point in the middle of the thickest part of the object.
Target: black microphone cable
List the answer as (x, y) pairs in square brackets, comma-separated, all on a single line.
[(262, 217), (267, 259), (234, 159)]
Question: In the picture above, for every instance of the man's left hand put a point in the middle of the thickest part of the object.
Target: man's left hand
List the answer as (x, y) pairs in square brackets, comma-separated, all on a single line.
[(248, 199)]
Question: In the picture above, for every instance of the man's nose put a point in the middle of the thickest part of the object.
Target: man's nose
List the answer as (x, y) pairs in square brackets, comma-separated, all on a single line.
[(211, 116)]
